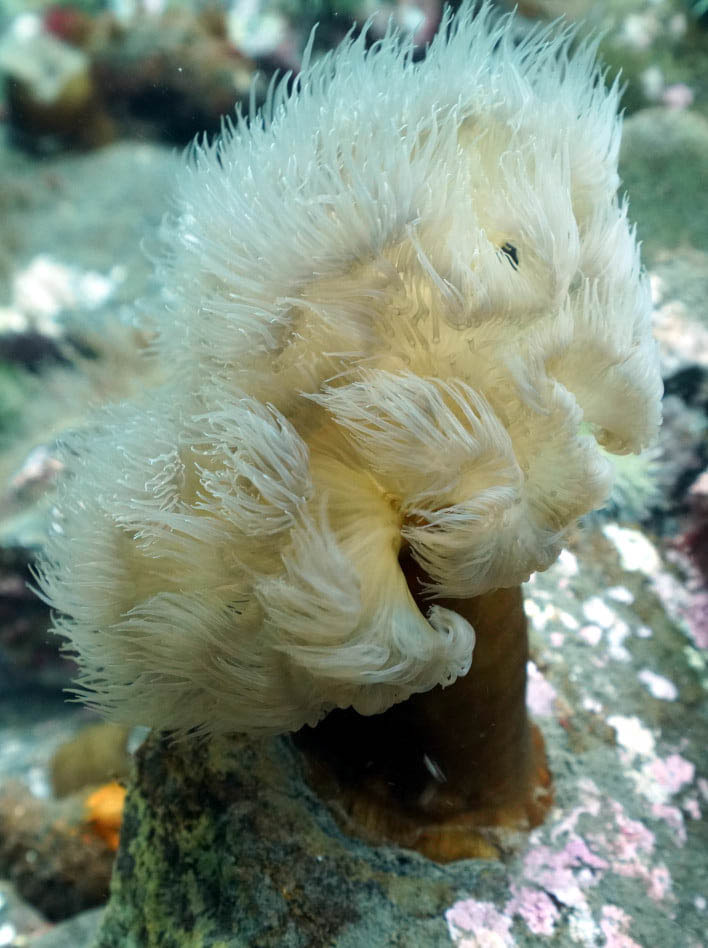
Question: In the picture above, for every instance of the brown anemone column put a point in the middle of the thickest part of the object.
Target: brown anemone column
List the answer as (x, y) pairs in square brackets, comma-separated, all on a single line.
[(443, 771)]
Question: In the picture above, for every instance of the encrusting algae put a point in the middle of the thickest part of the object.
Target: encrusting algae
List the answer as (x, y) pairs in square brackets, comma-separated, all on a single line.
[(406, 326)]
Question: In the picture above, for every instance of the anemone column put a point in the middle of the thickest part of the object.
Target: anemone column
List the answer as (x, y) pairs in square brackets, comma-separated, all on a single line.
[(443, 771)]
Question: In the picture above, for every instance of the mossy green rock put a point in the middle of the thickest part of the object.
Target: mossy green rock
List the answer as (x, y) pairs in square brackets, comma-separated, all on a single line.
[(225, 845)]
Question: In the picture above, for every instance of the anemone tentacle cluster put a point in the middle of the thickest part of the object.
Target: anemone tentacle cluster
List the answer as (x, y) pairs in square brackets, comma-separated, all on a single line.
[(405, 312)]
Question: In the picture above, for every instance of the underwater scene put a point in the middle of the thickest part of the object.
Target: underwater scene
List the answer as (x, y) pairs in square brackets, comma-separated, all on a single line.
[(353, 474)]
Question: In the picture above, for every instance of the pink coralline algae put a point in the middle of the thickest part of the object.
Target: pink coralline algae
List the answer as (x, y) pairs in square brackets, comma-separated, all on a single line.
[(660, 779), (475, 924), (631, 841), (593, 841), (672, 772), (659, 883), (614, 925), (536, 908), (552, 877), (692, 807), (540, 693), (555, 870), (673, 818)]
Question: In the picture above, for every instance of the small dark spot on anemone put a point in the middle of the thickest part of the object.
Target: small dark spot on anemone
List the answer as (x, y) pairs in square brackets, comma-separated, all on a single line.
[(512, 253)]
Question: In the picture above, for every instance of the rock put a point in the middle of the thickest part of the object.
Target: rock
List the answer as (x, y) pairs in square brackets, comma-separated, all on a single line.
[(94, 756), (227, 844), (268, 864), (18, 919), (50, 87), (51, 853), (171, 75), (77, 932), (65, 204)]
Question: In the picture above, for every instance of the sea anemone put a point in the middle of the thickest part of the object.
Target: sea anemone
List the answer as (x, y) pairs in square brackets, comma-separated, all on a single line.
[(405, 322)]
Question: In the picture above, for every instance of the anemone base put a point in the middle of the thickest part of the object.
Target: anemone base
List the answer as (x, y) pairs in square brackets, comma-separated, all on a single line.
[(452, 772)]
